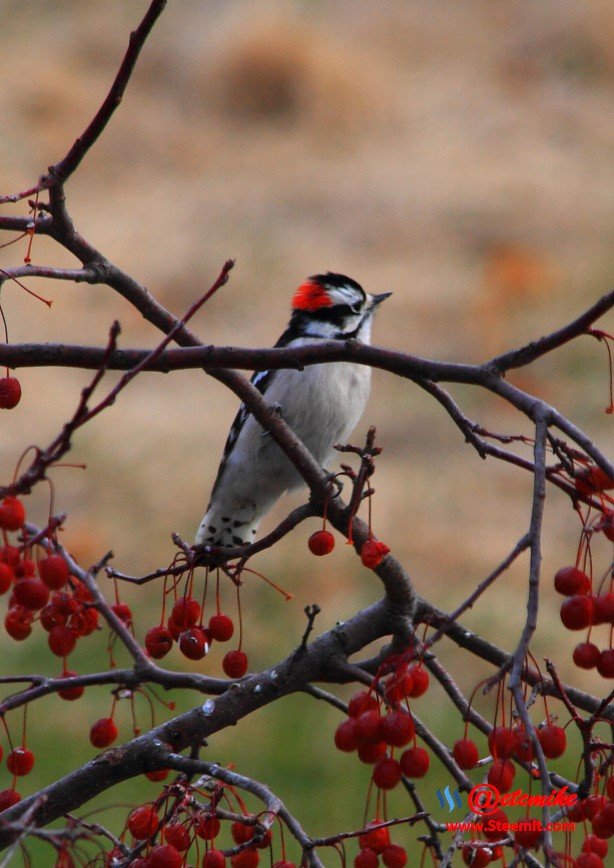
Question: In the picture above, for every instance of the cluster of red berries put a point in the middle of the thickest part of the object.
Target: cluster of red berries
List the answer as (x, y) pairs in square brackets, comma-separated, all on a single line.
[(372, 552), (598, 810), (19, 762), (185, 626), (10, 392), (378, 724), (375, 842), (581, 610), (42, 591), (164, 831)]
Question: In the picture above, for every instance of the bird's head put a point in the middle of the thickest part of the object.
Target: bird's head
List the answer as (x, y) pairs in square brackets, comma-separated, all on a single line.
[(333, 306)]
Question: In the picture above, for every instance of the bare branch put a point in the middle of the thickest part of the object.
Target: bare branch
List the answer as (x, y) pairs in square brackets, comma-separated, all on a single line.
[(61, 171)]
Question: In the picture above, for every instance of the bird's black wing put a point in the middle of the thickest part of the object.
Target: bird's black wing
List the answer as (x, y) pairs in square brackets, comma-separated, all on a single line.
[(261, 380)]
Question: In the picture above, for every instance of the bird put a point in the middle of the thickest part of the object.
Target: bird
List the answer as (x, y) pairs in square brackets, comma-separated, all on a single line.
[(321, 403)]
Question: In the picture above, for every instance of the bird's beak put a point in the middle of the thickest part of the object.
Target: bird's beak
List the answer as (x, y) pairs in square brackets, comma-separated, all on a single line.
[(378, 299)]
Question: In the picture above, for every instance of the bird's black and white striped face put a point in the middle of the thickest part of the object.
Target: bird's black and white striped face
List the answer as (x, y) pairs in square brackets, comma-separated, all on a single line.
[(334, 307)]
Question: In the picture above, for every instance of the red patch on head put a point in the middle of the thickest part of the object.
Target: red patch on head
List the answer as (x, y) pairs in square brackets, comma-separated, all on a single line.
[(310, 296)]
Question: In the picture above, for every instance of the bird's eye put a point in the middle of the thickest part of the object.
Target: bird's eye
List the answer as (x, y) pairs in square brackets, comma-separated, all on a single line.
[(355, 308)]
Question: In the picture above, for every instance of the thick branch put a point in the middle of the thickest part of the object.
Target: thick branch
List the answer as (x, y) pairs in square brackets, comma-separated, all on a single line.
[(317, 662)]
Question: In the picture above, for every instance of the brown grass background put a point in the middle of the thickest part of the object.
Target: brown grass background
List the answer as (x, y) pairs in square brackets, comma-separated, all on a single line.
[(459, 154)]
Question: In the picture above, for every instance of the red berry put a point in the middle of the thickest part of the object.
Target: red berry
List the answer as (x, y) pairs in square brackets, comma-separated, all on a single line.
[(245, 859), (602, 825), (607, 524), (394, 856), (24, 568), (593, 805), (605, 666), (375, 839), (477, 857), (362, 701), (53, 572), (586, 655), (194, 643), (234, 664), (368, 727), (122, 610), (397, 728), (604, 609), (493, 825), (143, 822), (609, 787), (61, 640), (593, 844), (158, 642), (588, 860), (82, 593), (221, 627), (6, 577), (570, 580), (31, 593), (283, 863), (372, 752), (10, 392), (373, 553), (465, 753), (577, 612), (12, 513), (70, 693), (387, 773), (265, 840), (528, 838), (345, 735), (9, 555), (50, 617), (420, 681), (85, 622), (20, 761), (399, 686), (553, 740), (241, 832), (164, 856), (157, 775), (502, 741), (63, 605), (590, 479), (8, 798), (322, 542), (207, 826), (214, 859), (103, 732), (525, 748), (366, 859), (501, 774), (18, 622), (415, 762), (186, 612), (174, 629)]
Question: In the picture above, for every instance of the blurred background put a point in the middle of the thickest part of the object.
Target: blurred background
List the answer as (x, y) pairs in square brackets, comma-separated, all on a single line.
[(459, 155)]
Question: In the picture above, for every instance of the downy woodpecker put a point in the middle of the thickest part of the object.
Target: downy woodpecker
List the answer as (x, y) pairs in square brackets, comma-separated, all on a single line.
[(322, 404)]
